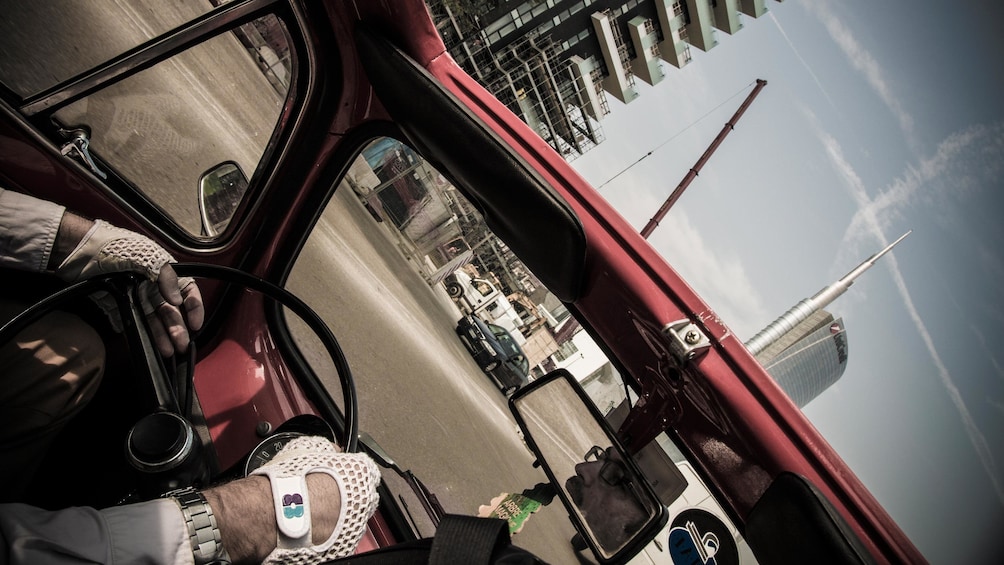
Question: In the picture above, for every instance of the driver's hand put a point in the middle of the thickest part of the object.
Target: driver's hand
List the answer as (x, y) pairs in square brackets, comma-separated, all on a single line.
[(107, 249)]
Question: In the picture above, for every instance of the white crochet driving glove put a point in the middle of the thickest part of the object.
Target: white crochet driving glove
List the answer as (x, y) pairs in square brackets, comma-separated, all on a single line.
[(106, 248), (357, 477), (111, 249)]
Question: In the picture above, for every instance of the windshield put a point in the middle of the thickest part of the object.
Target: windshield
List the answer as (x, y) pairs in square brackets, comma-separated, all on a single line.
[(374, 268), (499, 332), (76, 49)]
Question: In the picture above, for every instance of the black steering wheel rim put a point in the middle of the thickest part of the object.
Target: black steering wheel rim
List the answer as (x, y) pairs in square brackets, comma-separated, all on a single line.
[(107, 283), (350, 413)]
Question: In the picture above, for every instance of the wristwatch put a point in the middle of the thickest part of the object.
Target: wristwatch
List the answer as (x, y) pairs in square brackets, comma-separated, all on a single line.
[(203, 533)]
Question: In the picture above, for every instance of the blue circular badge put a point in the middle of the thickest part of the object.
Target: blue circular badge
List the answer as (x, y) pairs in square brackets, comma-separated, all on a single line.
[(698, 537)]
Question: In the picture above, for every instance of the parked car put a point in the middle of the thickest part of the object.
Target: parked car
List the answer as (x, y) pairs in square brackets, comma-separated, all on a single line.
[(126, 130), (496, 352), (482, 298)]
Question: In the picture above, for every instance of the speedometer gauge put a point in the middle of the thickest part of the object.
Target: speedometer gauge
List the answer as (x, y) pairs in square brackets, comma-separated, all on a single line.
[(302, 425), (267, 449)]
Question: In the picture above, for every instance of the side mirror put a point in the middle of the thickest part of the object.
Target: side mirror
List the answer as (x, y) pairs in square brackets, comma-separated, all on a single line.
[(220, 191), (609, 501)]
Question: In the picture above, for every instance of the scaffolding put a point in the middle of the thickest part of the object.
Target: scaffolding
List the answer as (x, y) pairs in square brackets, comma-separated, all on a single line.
[(532, 77)]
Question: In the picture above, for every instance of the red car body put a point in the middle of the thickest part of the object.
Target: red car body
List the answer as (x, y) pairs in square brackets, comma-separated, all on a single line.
[(734, 422)]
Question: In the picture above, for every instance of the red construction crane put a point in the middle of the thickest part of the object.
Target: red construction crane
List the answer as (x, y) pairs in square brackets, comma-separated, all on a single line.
[(729, 126)]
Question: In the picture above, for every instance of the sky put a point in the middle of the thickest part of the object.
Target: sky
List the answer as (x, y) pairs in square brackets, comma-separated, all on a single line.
[(878, 118)]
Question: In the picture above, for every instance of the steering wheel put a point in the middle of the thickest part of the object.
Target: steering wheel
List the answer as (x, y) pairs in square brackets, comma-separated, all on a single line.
[(164, 442)]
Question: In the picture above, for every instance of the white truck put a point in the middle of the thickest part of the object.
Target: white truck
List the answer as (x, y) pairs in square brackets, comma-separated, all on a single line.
[(483, 298)]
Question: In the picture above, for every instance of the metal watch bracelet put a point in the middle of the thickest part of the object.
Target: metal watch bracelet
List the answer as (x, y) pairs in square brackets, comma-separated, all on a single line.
[(203, 533)]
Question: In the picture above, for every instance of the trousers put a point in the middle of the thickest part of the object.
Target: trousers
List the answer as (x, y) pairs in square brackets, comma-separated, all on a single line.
[(48, 373)]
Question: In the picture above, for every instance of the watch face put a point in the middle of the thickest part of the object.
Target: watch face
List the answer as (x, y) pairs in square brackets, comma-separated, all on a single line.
[(267, 450)]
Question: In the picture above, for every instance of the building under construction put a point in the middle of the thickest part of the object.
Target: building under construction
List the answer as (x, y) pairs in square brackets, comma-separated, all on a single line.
[(554, 62), (530, 77)]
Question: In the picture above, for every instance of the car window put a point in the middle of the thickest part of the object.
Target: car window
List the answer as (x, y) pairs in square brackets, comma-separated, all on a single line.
[(157, 131), (36, 58), (499, 332), (415, 379), (483, 288), (523, 365), (146, 126)]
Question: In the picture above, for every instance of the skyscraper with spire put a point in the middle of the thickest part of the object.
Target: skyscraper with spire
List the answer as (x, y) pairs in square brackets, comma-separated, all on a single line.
[(805, 350), (809, 358)]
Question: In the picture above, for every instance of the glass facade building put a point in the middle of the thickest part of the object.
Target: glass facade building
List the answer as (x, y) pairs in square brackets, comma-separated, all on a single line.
[(809, 358)]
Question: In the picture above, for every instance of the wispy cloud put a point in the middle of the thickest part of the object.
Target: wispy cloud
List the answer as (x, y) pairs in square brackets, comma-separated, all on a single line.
[(801, 60), (976, 436), (982, 340), (862, 61), (721, 277), (963, 157), (871, 221)]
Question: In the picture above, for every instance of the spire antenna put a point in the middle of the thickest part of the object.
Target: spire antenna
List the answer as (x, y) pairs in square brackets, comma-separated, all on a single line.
[(818, 301)]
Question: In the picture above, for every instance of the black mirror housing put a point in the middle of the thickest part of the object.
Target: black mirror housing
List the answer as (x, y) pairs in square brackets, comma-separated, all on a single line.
[(609, 501), (221, 189)]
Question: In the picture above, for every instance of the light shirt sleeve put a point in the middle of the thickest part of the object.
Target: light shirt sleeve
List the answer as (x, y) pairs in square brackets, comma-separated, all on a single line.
[(28, 228), (147, 532)]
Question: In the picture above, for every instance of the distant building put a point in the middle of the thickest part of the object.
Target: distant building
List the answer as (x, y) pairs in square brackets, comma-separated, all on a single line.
[(553, 62), (808, 358), (805, 350)]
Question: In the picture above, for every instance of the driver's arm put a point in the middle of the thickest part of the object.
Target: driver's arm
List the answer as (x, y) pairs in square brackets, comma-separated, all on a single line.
[(38, 236), (28, 228), (72, 229), (155, 531), (147, 532)]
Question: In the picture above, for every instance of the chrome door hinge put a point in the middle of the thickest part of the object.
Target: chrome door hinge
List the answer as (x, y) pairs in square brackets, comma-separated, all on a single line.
[(687, 341)]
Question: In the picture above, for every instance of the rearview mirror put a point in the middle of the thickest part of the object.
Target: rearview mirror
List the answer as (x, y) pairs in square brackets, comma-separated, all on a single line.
[(220, 191), (610, 503)]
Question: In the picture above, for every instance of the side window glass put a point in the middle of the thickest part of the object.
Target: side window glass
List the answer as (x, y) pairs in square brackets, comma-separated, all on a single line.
[(162, 128), (38, 55)]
